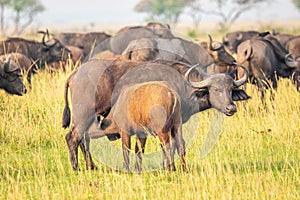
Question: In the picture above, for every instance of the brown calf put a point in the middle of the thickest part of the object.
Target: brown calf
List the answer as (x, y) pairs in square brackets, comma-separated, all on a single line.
[(148, 107)]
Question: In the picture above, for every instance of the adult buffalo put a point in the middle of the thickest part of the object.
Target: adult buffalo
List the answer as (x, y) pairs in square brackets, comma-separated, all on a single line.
[(39, 52), (283, 38), (11, 77), (212, 57), (84, 41), (93, 85), (232, 39), (293, 47), (263, 57), (154, 41), (22, 61), (119, 42), (174, 49), (224, 62)]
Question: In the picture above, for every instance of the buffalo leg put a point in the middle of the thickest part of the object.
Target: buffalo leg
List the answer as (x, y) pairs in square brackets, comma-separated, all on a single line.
[(139, 150), (168, 148), (126, 146), (81, 129), (73, 143), (85, 148)]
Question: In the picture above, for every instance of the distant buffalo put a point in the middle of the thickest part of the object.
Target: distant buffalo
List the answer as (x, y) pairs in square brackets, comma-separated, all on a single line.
[(224, 61), (293, 47), (11, 77), (119, 42), (232, 39), (84, 41), (264, 57), (283, 38), (39, 53), (27, 65)]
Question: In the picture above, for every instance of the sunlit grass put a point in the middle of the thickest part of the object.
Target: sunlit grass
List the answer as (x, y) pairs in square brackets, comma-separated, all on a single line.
[(257, 156)]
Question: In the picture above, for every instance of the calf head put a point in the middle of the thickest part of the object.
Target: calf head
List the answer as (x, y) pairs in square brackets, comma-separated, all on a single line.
[(11, 77), (219, 90)]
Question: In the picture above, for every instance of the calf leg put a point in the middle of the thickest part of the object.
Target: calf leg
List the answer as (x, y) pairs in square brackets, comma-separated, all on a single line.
[(168, 148), (126, 146), (139, 150)]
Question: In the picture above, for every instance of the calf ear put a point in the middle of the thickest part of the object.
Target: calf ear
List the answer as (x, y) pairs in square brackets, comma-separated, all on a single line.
[(239, 95), (105, 123)]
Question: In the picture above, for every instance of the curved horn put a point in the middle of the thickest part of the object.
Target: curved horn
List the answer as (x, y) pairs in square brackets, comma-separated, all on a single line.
[(200, 84), (289, 61), (47, 44), (6, 63), (210, 42), (47, 33), (239, 36), (43, 39), (243, 80), (213, 45), (187, 73)]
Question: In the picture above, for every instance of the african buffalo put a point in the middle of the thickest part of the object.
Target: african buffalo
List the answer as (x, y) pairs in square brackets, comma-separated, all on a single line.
[(39, 52), (224, 62), (156, 107), (232, 39), (293, 47), (154, 41), (264, 57), (77, 53), (176, 49), (283, 38), (181, 50), (99, 82), (119, 42), (26, 65), (11, 77), (84, 41)]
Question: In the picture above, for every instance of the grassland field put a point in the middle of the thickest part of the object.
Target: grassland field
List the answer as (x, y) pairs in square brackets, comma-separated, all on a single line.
[(257, 156)]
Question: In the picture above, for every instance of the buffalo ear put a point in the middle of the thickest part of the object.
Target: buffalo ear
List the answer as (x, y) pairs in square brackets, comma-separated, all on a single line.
[(105, 123), (239, 95), (111, 136), (201, 93)]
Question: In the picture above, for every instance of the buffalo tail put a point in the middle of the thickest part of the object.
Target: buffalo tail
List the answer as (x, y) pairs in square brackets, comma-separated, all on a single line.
[(66, 118)]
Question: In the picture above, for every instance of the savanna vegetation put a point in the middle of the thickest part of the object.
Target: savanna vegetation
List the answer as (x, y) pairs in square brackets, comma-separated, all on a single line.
[(257, 156)]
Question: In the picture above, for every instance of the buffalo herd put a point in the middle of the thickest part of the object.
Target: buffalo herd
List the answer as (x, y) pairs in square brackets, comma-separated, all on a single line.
[(146, 79)]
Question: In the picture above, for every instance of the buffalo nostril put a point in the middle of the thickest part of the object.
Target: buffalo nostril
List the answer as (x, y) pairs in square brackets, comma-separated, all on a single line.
[(230, 108), (25, 90)]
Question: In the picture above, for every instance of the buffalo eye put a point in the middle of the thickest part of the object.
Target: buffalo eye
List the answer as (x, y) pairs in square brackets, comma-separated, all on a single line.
[(215, 89)]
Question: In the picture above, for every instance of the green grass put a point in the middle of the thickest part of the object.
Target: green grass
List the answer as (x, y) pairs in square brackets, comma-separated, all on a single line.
[(257, 157)]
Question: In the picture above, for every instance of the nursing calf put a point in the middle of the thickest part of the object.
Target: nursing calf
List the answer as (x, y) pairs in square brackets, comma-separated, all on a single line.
[(151, 107)]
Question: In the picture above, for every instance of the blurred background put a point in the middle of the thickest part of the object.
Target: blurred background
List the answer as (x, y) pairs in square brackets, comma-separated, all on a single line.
[(19, 16)]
